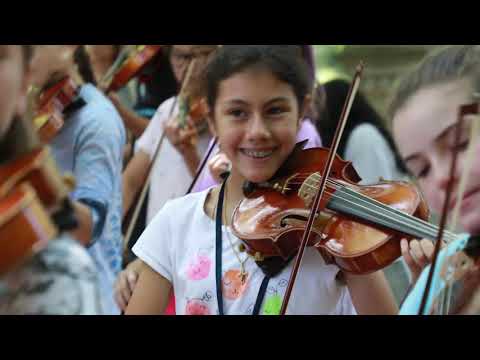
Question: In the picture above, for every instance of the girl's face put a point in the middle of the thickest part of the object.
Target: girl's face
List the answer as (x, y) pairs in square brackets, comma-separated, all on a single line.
[(182, 55), (256, 118), (13, 85), (51, 63), (425, 132)]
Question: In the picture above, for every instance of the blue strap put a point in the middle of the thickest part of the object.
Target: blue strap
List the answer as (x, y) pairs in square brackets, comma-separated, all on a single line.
[(219, 265)]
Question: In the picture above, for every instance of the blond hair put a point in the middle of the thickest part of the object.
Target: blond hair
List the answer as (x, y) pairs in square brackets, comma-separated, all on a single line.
[(442, 66)]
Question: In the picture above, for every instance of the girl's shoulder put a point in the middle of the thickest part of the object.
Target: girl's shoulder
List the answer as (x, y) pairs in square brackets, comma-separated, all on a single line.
[(183, 211)]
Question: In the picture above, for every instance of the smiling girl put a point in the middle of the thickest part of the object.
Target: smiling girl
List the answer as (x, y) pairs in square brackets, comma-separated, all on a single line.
[(258, 95)]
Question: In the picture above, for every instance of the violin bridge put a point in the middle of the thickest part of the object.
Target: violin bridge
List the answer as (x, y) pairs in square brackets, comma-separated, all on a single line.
[(309, 188)]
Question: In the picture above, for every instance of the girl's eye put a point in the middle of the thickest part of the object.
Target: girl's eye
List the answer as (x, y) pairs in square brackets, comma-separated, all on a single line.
[(423, 172), (237, 113), (276, 110), (419, 170), (462, 146)]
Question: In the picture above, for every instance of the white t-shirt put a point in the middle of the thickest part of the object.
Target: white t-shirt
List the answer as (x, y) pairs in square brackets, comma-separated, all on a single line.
[(371, 155), (171, 177), (179, 244)]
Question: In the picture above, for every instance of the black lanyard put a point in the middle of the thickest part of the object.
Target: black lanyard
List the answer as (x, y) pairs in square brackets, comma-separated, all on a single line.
[(219, 248)]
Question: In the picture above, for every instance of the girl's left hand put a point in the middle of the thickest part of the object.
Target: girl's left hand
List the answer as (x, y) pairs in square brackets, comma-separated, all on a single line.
[(181, 139), (418, 255)]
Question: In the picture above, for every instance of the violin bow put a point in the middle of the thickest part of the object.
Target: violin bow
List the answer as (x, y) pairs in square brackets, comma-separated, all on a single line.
[(320, 192), (143, 194), (465, 110)]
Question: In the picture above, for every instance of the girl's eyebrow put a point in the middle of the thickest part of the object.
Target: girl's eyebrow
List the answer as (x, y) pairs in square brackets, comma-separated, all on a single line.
[(243, 102)]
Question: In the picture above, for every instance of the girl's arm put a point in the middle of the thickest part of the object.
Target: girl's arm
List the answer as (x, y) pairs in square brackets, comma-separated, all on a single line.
[(133, 122), (151, 295), (371, 294)]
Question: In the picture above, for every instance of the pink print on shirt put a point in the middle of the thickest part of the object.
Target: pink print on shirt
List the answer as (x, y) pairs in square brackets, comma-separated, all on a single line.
[(233, 287), (197, 307), (199, 268)]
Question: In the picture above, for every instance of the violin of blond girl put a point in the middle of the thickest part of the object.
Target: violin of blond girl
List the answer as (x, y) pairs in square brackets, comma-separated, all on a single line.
[(454, 266)]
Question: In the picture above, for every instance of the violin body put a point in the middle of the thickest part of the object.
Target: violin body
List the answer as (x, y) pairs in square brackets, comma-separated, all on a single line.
[(49, 122), (65, 91), (132, 66), (53, 105), (192, 113), (34, 207), (25, 227), (38, 169), (271, 220)]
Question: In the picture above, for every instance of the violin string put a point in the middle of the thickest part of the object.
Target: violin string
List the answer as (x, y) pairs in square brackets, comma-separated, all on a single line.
[(383, 218), (382, 208), (417, 221), (401, 216), (380, 216), (388, 214), (385, 210)]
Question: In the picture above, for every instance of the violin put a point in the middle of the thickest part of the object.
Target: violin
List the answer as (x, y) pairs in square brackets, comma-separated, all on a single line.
[(54, 104), (34, 207), (127, 67), (360, 229)]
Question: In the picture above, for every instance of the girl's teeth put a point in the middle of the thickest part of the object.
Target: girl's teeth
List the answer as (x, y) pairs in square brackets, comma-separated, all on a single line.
[(258, 154)]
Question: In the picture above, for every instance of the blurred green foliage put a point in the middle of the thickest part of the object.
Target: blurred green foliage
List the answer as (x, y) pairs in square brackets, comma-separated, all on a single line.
[(327, 67)]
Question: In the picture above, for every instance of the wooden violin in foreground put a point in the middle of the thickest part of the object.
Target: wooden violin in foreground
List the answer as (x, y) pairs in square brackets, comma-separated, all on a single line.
[(34, 207), (359, 230)]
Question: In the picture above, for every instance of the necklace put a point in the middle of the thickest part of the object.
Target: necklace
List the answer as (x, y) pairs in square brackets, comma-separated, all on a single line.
[(218, 260), (243, 273)]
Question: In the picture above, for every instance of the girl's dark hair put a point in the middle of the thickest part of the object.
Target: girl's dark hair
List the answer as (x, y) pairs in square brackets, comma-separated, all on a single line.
[(283, 61), (362, 113), (159, 81)]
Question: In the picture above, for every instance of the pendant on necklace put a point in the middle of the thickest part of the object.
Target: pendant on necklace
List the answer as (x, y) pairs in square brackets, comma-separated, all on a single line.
[(243, 277)]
